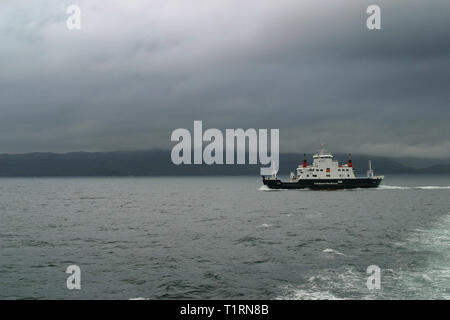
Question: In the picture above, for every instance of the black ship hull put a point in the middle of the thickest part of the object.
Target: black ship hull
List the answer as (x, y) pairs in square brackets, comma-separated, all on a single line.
[(323, 184)]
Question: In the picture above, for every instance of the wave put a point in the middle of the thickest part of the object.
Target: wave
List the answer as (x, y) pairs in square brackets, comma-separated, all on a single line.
[(266, 225), (302, 294), (328, 250)]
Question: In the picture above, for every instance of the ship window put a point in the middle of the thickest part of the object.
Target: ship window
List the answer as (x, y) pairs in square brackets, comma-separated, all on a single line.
[(307, 175), (321, 169), (348, 175), (328, 175), (339, 169), (314, 175)]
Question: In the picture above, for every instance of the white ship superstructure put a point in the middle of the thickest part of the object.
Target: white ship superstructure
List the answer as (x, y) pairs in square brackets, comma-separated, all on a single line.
[(324, 167), (325, 173)]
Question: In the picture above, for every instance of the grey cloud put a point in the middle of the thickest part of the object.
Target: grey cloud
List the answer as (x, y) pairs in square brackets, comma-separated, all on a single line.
[(138, 70)]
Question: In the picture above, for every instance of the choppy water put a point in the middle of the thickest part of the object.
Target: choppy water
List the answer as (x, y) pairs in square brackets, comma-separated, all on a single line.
[(222, 238)]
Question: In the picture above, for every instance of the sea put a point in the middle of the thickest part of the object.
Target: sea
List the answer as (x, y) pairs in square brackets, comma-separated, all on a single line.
[(223, 238)]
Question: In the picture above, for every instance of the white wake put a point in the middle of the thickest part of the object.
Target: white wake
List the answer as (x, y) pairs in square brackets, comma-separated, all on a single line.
[(384, 187)]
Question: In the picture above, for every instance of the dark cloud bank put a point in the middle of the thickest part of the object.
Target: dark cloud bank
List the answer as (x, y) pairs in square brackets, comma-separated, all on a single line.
[(139, 69)]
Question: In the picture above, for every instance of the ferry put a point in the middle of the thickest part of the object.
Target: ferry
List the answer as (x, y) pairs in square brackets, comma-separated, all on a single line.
[(324, 173)]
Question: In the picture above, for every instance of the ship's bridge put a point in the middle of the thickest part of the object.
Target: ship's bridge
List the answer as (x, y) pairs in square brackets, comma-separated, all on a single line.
[(323, 154)]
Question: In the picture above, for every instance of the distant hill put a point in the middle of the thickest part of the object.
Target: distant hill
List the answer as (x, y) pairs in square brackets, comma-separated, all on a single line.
[(440, 168), (158, 162)]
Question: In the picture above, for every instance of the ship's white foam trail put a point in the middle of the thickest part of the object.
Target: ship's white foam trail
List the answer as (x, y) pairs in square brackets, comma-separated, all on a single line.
[(384, 187), (434, 188)]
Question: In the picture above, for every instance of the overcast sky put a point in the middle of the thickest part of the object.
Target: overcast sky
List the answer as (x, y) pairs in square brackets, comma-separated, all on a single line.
[(139, 69)]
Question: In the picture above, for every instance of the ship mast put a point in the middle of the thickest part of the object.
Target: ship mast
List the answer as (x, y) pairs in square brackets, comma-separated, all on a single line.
[(370, 171)]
